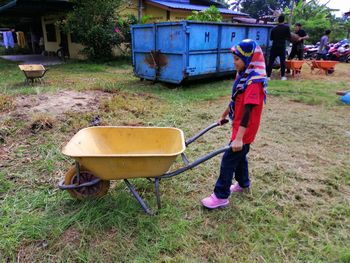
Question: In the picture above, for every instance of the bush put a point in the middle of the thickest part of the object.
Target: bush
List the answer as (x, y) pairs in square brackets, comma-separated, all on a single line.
[(123, 32), (211, 14), (316, 18), (93, 23)]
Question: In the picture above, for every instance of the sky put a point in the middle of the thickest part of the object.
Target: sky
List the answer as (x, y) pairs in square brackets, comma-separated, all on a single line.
[(343, 5)]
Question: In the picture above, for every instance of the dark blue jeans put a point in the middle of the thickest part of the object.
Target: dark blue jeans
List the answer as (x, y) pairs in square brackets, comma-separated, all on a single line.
[(232, 163)]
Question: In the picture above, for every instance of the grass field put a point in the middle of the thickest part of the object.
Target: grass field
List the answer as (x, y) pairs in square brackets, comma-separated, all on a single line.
[(299, 209)]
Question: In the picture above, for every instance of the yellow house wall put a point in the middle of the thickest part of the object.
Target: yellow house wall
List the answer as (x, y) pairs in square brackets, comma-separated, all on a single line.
[(129, 8), (50, 46), (158, 14), (177, 16), (74, 48)]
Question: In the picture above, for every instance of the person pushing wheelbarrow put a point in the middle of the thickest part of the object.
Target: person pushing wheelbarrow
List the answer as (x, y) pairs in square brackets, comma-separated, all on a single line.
[(245, 108)]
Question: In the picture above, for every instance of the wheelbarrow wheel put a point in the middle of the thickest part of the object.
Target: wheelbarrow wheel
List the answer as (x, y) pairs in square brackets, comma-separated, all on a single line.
[(94, 191)]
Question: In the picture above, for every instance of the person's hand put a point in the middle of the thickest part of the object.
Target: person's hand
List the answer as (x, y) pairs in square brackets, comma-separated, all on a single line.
[(222, 120), (237, 145)]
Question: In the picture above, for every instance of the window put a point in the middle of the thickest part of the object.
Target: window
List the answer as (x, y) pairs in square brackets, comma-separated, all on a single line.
[(51, 32)]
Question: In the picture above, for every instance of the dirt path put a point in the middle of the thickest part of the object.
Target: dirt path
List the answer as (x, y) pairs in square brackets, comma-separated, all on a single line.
[(55, 104)]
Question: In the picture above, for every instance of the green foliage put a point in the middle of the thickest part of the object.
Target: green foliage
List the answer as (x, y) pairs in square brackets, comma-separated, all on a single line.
[(211, 14), (123, 32), (146, 19), (316, 18), (259, 8), (92, 22), (347, 28)]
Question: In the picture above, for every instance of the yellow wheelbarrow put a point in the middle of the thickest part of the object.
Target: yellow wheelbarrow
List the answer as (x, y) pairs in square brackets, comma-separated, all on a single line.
[(33, 72), (109, 153)]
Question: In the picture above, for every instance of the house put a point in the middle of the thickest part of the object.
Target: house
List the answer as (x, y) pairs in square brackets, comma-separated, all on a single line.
[(40, 17), (175, 10), (347, 14)]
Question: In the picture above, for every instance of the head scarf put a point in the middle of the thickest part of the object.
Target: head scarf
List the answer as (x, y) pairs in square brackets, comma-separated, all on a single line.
[(255, 70)]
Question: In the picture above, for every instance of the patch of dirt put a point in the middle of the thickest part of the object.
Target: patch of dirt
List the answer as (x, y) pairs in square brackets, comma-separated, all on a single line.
[(55, 104), (70, 236), (28, 252), (33, 251), (41, 124)]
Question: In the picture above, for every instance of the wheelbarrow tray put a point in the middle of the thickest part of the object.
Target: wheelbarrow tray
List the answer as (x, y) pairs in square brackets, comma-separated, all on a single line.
[(294, 64), (324, 64), (33, 70), (113, 152)]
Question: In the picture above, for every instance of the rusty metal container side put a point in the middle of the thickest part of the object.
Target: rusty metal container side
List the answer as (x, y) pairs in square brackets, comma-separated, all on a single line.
[(175, 51), (113, 153)]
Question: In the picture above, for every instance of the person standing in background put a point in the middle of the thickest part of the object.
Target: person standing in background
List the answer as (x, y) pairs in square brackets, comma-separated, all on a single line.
[(298, 47), (323, 48), (279, 35)]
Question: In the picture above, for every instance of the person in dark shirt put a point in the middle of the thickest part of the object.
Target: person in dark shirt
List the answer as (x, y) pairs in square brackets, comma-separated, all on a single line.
[(298, 47), (279, 35)]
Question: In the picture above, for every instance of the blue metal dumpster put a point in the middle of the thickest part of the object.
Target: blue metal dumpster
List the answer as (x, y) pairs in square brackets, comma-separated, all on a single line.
[(176, 51)]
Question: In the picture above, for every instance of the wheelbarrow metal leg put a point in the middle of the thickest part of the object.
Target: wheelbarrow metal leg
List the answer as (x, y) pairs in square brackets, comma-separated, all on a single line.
[(156, 184), (138, 197), (184, 159)]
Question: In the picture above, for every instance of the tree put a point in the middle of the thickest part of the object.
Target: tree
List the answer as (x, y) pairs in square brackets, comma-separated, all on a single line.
[(347, 28), (316, 18), (93, 23), (259, 8), (211, 14)]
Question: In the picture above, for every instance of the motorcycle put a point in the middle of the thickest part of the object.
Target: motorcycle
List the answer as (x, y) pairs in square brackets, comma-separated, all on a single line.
[(339, 53), (310, 51)]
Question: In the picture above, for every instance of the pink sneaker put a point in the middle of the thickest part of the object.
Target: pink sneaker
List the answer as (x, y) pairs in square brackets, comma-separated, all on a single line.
[(235, 188), (213, 202)]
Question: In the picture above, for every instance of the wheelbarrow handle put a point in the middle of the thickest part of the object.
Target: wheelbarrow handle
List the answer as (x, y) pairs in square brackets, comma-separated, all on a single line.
[(196, 162), (191, 140)]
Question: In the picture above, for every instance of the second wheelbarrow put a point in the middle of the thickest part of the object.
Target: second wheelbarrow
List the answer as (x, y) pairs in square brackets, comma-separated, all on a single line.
[(325, 66), (33, 72), (107, 153)]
